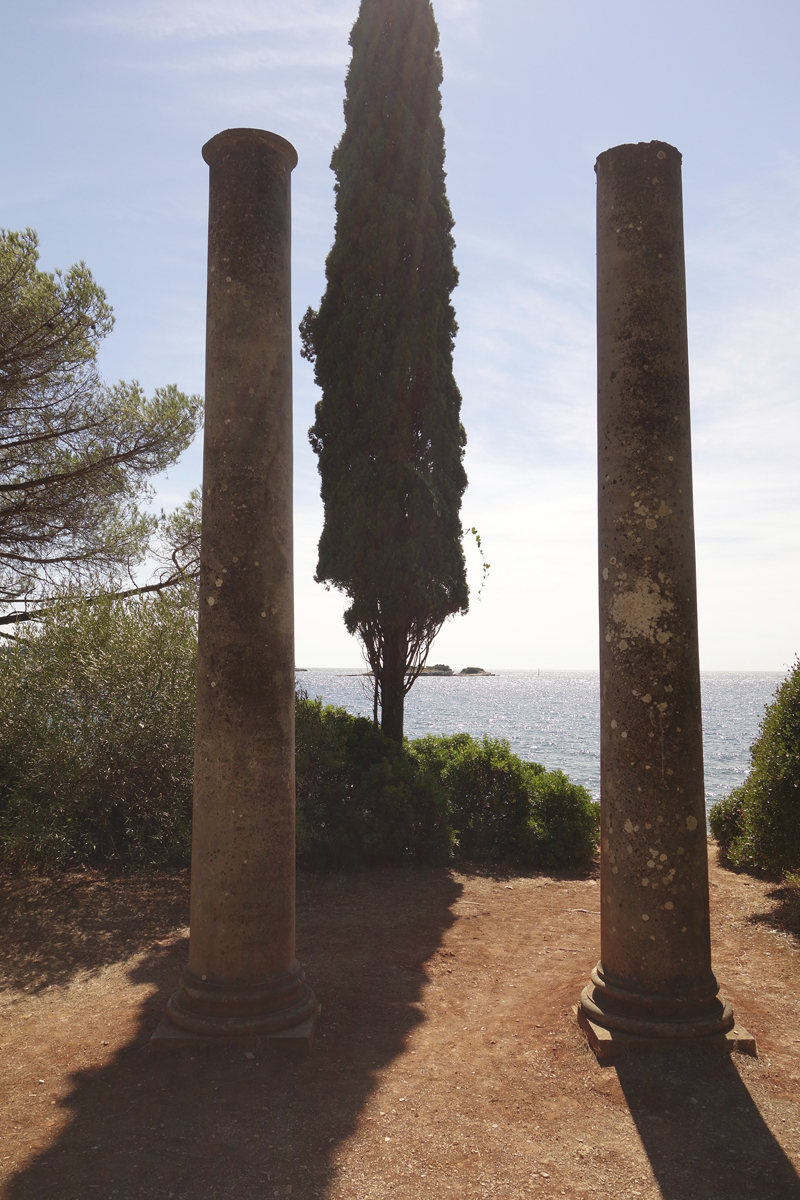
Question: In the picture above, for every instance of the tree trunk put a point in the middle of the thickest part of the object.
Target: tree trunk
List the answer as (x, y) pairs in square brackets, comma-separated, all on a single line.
[(393, 680)]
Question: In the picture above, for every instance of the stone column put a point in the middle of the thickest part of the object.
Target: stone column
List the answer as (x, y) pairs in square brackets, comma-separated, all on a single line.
[(243, 978), (654, 980)]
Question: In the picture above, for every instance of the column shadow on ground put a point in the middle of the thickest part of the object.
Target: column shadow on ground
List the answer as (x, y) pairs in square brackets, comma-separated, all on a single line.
[(702, 1131), (218, 1124)]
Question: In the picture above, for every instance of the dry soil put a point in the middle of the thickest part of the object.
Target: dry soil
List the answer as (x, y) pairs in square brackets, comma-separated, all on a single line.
[(449, 1063)]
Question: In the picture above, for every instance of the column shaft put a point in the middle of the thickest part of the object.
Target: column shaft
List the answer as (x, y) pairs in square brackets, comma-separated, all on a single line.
[(655, 975), (242, 976)]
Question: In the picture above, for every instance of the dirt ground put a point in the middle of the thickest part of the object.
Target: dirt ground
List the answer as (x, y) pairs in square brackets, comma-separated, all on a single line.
[(449, 1062)]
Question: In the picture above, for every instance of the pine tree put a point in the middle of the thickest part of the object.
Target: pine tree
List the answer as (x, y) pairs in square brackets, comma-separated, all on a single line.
[(76, 455), (387, 432)]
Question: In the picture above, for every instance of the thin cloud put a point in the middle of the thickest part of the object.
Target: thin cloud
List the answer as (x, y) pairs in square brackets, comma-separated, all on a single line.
[(455, 9), (526, 349), (157, 20), (745, 375), (240, 60)]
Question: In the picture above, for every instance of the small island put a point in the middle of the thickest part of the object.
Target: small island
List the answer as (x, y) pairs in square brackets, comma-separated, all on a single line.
[(442, 669)]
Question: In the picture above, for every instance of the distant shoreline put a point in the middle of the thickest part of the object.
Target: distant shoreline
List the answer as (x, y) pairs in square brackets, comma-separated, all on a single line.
[(351, 673), (424, 675), (553, 717)]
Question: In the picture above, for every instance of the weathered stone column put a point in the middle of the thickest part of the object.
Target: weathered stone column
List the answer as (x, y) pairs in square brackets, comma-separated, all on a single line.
[(654, 980), (243, 978)]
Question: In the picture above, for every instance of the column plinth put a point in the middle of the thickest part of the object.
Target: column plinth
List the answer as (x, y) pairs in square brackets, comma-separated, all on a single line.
[(243, 978), (654, 981)]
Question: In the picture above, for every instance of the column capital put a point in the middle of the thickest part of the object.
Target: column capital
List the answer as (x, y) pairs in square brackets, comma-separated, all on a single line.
[(231, 139)]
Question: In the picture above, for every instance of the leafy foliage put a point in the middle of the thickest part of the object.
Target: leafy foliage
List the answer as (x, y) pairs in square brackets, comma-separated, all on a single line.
[(726, 819), (178, 546), (97, 734), (758, 825), (387, 432), (487, 790), (360, 799), (75, 453), (96, 755), (567, 821), (503, 809)]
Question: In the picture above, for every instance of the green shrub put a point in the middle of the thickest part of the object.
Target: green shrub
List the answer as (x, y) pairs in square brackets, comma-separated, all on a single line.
[(96, 734), (567, 821), (360, 799), (765, 831), (503, 809), (96, 754), (487, 793), (726, 819)]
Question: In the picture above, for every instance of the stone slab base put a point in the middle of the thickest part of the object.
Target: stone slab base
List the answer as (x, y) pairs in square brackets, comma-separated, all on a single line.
[(297, 1039), (609, 1044)]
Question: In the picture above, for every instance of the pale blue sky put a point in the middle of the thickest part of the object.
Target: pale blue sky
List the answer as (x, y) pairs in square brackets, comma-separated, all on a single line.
[(107, 103)]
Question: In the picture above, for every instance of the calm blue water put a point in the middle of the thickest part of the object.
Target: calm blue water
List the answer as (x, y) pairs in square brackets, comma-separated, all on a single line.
[(553, 717)]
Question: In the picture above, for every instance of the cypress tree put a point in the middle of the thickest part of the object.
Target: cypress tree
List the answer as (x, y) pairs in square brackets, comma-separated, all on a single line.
[(387, 433)]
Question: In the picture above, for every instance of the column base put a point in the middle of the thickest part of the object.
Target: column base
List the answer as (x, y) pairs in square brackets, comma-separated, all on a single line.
[(209, 1008), (678, 1012), (297, 1039), (609, 1044), (618, 1019)]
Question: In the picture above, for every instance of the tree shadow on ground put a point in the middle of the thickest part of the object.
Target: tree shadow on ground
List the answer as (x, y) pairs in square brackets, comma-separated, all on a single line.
[(701, 1130), (56, 927), (500, 872), (225, 1123), (785, 894), (785, 916)]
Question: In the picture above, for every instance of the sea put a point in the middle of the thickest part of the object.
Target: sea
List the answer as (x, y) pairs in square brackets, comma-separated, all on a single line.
[(553, 717)]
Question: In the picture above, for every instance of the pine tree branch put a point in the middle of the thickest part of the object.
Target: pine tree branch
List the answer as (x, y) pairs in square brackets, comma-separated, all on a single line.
[(20, 617)]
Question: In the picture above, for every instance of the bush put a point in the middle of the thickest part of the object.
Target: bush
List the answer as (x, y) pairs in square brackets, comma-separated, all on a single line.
[(726, 819), (96, 755), (487, 794), (567, 821), (360, 799), (503, 809), (97, 735), (759, 822)]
